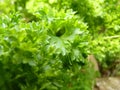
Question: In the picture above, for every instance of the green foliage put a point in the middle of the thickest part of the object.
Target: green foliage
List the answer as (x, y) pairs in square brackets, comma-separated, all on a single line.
[(44, 43), (107, 50), (47, 54), (6, 6)]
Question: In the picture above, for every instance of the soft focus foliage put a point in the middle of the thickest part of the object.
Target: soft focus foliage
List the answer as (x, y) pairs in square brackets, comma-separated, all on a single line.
[(44, 43)]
